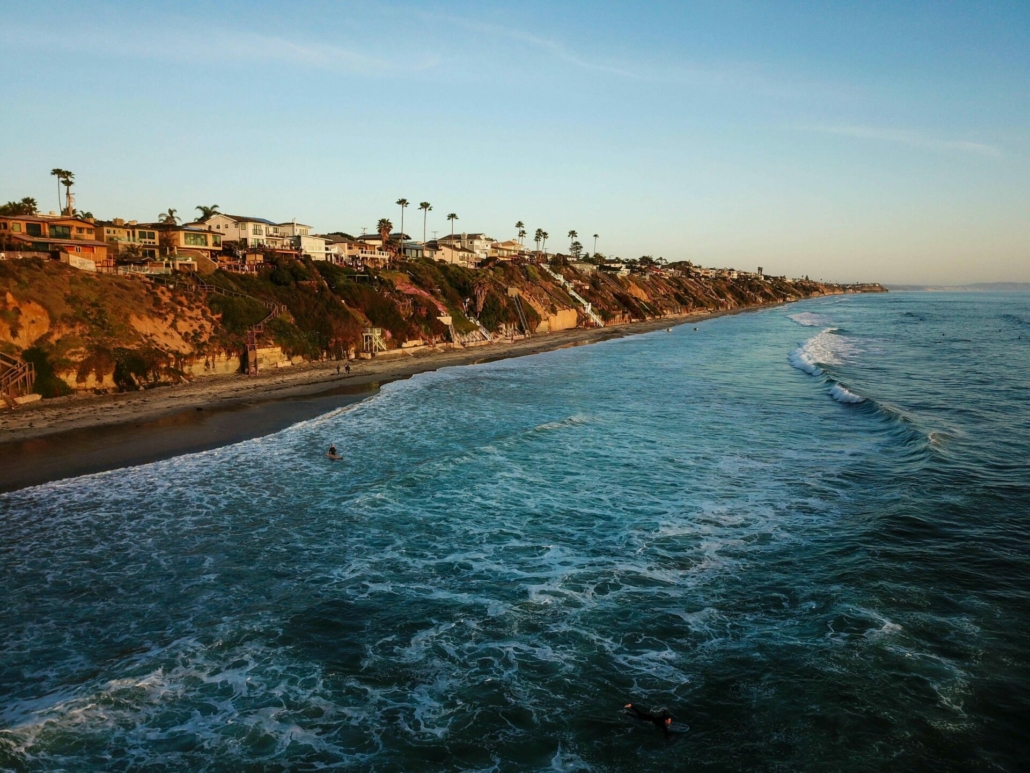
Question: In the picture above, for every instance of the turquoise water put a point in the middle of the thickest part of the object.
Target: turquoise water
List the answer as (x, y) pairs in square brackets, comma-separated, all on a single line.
[(805, 531)]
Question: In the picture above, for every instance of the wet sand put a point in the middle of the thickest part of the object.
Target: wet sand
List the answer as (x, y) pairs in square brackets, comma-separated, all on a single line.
[(79, 435)]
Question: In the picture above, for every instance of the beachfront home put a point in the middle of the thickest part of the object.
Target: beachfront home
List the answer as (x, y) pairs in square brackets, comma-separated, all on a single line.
[(246, 231), (505, 250), (297, 236), (459, 256), (192, 240), (71, 238), (479, 244), (355, 253)]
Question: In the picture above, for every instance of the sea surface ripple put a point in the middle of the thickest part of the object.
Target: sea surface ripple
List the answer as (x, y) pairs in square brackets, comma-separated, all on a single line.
[(806, 533)]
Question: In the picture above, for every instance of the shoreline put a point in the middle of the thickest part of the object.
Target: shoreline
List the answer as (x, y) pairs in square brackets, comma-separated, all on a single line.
[(85, 435)]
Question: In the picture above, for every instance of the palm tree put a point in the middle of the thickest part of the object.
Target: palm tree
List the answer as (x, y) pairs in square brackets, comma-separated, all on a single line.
[(595, 245), (544, 235), (452, 217), (169, 217), (68, 180), (426, 207), (522, 236), (27, 206), (206, 213), (572, 237), (537, 237), (403, 204), (60, 174), (518, 227), (385, 227)]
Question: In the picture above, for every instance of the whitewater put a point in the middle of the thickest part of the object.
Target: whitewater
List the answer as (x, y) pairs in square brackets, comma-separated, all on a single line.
[(802, 530)]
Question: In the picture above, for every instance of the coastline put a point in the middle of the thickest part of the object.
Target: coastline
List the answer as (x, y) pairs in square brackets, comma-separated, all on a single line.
[(70, 437)]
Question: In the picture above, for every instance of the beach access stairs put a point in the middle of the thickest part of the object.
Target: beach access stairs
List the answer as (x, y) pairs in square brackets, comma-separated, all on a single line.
[(16, 379), (252, 332), (587, 307)]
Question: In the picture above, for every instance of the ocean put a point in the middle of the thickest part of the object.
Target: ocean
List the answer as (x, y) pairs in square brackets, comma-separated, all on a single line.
[(805, 531)]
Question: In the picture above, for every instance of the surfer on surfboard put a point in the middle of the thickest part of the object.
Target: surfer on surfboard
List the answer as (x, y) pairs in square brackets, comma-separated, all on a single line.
[(663, 721), (332, 452)]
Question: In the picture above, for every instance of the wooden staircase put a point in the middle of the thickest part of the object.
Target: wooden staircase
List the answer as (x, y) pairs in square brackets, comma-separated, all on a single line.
[(16, 378)]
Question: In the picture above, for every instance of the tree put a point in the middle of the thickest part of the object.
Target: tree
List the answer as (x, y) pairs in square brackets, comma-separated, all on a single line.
[(522, 236), (83, 215), (452, 217), (169, 217), (426, 208), (519, 227), (27, 206), (68, 180), (576, 249), (572, 237), (60, 175), (385, 227), (544, 235), (537, 237), (595, 244), (206, 213), (403, 204)]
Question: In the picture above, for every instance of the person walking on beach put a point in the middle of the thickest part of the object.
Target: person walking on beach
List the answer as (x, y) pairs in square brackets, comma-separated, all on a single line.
[(347, 366), (337, 370)]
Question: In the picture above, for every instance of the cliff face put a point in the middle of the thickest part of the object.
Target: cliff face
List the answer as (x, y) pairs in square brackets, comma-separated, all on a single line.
[(90, 331)]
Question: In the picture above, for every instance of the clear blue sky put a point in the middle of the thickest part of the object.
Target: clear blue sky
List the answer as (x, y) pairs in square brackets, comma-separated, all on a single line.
[(853, 141)]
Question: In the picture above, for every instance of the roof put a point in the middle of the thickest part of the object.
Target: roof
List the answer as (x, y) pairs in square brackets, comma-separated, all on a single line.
[(248, 219), (70, 242), (54, 219)]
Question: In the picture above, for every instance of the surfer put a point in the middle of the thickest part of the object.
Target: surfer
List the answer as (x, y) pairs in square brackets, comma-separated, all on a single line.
[(662, 721), (332, 450)]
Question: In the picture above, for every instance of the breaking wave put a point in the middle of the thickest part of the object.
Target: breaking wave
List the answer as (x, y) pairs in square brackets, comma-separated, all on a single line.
[(807, 319)]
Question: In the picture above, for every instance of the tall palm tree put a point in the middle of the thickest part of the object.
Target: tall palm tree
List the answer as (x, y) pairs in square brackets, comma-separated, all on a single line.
[(452, 217), (544, 235), (60, 175), (537, 237), (426, 207), (595, 244), (68, 180), (206, 213), (572, 237), (518, 227), (403, 204), (169, 217), (522, 236)]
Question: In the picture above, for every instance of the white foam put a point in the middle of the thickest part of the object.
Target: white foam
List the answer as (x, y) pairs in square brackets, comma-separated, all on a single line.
[(826, 348), (807, 319), (840, 393)]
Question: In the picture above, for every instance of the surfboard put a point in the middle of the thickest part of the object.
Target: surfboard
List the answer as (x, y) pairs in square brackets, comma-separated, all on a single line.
[(334, 457)]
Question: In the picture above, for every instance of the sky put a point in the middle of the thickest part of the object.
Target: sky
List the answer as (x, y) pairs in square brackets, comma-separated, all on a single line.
[(849, 141)]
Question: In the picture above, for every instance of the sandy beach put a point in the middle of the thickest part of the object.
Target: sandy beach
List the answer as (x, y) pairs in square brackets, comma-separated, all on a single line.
[(79, 435)]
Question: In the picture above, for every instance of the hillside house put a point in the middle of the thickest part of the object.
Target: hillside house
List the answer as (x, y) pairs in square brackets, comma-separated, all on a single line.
[(72, 239)]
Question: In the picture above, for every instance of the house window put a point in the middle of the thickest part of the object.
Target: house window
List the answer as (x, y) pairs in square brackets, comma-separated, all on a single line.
[(34, 229), (195, 240), (217, 240), (16, 227), (60, 232), (80, 230), (257, 231)]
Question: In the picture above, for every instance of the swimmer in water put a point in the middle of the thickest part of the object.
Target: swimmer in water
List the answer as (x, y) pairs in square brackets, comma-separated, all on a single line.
[(662, 721)]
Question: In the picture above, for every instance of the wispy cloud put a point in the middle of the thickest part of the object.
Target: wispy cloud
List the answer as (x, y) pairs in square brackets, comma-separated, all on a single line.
[(913, 139), (212, 46), (732, 75)]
